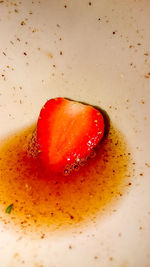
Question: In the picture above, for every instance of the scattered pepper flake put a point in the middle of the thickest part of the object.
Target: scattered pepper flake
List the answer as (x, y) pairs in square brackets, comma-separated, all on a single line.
[(90, 3), (43, 236), (9, 209), (147, 165), (22, 23)]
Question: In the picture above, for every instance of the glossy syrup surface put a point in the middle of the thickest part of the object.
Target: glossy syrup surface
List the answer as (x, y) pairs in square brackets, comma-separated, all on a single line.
[(44, 201)]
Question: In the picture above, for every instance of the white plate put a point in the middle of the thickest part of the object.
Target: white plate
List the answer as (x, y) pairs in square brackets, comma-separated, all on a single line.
[(96, 52)]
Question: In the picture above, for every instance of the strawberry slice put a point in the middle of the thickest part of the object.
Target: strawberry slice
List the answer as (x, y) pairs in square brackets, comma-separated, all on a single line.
[(67, 132)]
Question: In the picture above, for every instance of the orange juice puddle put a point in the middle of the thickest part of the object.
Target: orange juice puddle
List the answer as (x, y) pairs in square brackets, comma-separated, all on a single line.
[(44, 201)]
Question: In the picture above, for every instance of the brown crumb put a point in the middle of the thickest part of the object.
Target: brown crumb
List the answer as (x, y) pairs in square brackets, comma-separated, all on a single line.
[(25, 53), (54, 66), (147, 165), (146, 76), (145, 54), (61, 53), (70, 247), (58, 25), (50, 55), (129, 183), (114, 32), (34, 30), (42, 236), (95, 257), (16, 10), (90, 3), (38, 48), (111, 258), (22, 23), (65, 6), (141, 174), (4, 53), (140, 228), (120, 234), (142, 102)]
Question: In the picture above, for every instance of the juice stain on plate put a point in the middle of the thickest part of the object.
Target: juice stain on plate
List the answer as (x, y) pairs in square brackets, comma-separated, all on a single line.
[(42, 200)]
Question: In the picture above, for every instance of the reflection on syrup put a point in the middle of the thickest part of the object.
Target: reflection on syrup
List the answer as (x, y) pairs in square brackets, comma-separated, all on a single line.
[(54, 202)]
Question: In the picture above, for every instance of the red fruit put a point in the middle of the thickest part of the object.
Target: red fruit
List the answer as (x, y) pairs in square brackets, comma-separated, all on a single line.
[(67, 131)]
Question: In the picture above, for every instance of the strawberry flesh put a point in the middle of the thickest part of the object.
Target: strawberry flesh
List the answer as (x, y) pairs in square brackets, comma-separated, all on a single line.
[(67, 131)]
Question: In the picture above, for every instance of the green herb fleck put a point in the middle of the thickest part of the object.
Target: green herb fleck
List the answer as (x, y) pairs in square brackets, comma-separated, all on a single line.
[(9, 208)]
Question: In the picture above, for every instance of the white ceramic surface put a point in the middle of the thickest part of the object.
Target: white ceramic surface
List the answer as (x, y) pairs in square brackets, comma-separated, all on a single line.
[(103, 58)]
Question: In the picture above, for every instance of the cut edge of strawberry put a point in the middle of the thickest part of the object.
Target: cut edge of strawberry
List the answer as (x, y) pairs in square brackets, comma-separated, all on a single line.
[(74, 165)]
